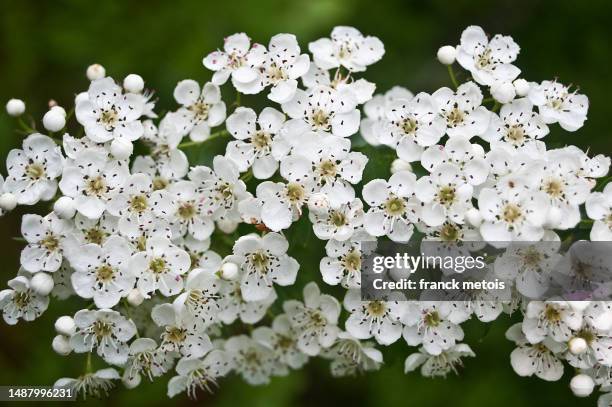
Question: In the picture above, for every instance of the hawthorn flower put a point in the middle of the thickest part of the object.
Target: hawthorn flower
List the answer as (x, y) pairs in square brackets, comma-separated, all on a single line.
[(315, 319), (97, 384), (373, 125), (187, 212), (462, 110), (553, 319), (347, 47), (539, 359), (393, 207), (93, 230), (179, 336), (322, 109), (20, 301), (595, 329), (194, 374), (438, 365), (282, 67), (361, 89), (234, 305), (599, 208), (102, 273), (252, 360), (32, 171), (488, 61), (200, 110), (557, 104), (106, 330), (351, 356), (260, 148), (470, 158), (200, 300), (411, 125), (516, 124), (46, 239), (146, 359), (160, 267), (343, 262), (264, 261), (378, 319), (337, 222), (427, 323), (282, 339), (91, 180), (108, 114), (240, 60)]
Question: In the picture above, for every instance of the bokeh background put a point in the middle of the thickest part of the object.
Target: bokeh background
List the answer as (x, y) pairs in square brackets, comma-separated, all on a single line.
[(46, 46)]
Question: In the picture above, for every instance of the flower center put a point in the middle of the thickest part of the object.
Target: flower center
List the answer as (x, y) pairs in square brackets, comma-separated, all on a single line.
[(554, 188), (337, 218), (35, 171), (432, 319), (552, 314), (377, 308), (484, 59), (200, 110), (96, 186), (512, 213), (285, 342), (327, 168), (157, 265), (105, 273), (320, 119), (449, 233), (50, 243), (261, 140), (446, 195), (101, 329), (175, 335), (409, 126), (455, 117), (21, 299), (352, 261), (295, 192), (95, 235), (109, 119), (159, 183), (276, 74), (260, 261), (516, 135), (139, 203), (532, 257), (395, 206), (187, 211)]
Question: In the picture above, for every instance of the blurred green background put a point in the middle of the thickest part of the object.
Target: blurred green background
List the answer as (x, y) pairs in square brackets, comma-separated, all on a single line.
[(46, 46)]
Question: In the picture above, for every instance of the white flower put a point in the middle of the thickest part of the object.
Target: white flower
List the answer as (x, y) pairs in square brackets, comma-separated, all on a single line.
[(315, 319), (170, 163), (108, 114), (178, 335), (252, 360), (351, 356), (201, 109), (343, 262), (348, 48), (445, 195), (257, 148), (378, 319), (393, 207), (264, 261), (488, 61), (106, 330), (516, 124), (322, 109), (97, 384), (462, 110), (438, 365), (32, 171), (194, 374), (234, 305), (361, 89), (427, 324), (91, 180), (187, 211), (283, 66), (160, 267), (557, 104), (102, 273), (240, 60), (373, 125), (20, 301), (539, 359), (411, 125), (470, 158), (200, 301), (553, 319), (599, 208), (282, 339), (146, 359), (337, 222), (46, 239), (595, 330)]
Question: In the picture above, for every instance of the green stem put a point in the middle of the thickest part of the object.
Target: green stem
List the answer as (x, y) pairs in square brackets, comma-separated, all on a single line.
[(197, 143), (247, 175), (88, 363), (24, 126), (453, 79)]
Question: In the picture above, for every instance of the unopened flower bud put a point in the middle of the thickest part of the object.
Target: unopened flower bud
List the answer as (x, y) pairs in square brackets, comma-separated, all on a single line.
[(65, 325), (42, 283), (121, 149), (8, 201), (135, 297), (229, 271), (95, 71), (133, 83), (61, 345), (503, 92), (577, 345), (54, 120), (582, 385), (447, 54), (58, 109), (64, 207), (400, 165), (227, 226), (15, 107), (521, 86)]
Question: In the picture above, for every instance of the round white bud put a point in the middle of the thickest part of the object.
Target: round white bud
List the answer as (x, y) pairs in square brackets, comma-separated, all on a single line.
[(577, 345), (400, 165), (65, 325), (227, 225), (95, 71), (42, 283), (229, 271), (59, 110), (54, 121), (64, 207), (131, 382), (503, 92), (133, 83), (61, 345), (521, 86), (582, 385), (135, 297), (8, 201), (15, 107), (121, 149), (473, 217), (447, 54), (81, 97)]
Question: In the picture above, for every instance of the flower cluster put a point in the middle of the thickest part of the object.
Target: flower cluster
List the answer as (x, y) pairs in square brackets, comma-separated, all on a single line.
[(178, 265)]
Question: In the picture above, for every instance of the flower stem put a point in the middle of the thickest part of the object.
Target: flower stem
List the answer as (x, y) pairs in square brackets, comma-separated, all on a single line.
[(453, 79), (247, 175), (196, 143), (88, 363)]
